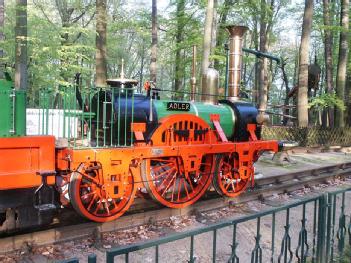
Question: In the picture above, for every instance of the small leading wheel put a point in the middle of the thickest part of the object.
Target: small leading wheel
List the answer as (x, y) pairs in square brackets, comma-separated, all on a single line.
[(169, 183), (91, 197), (62, 185), (230, 179)]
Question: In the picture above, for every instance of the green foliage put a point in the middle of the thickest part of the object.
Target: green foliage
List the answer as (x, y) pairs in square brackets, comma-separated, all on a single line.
[(325, 101), (60, 47)]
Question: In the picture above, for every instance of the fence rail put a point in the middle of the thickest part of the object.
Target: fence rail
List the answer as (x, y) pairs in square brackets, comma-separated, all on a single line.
[(83, 117), (320, 233), (310, 136)]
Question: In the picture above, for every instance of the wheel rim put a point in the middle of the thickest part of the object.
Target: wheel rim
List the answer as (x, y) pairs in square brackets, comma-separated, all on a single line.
[(230, 180), (91, 198), (169, 183)]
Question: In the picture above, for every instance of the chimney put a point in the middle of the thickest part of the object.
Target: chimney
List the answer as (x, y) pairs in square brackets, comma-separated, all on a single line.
[(236, 34)]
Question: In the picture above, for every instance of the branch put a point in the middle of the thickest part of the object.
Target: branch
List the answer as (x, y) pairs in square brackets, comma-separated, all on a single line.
[(76, 19), (43, 12)]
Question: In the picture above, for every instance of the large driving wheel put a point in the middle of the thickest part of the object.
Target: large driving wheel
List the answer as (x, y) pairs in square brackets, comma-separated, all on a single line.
[(169, 183), (230, 179), (94, 199)]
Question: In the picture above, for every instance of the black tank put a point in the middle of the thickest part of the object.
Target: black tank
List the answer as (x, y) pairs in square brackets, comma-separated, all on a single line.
[(117, 123)]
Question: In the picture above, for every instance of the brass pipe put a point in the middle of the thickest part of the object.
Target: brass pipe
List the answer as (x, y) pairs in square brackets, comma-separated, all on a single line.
[(193, 76), (236, 34)]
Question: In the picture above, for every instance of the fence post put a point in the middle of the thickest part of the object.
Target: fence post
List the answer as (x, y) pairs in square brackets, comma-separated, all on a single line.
[(328, 230), (92, 258), (321, 232)]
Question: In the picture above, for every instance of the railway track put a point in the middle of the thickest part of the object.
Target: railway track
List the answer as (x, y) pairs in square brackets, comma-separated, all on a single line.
[(144, 211)]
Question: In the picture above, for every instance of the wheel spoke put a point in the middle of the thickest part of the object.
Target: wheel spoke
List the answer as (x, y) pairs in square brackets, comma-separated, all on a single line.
[(186, 189), (97, 207), (160, 167), (169, 184), (167, 171), (91, 179), (88, 194), (174, 186), (165, 180), (91, 202), (106, 207), (233, 187)]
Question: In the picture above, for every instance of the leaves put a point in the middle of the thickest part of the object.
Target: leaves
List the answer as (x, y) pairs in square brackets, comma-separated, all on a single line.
[(325, 101)]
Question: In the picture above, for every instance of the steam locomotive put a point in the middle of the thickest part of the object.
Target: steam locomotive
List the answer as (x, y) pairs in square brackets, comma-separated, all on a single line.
[(130, 145)]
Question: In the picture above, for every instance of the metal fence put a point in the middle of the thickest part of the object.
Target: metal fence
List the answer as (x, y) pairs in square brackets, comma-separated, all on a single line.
[(320, 232), (83, 117), (309, 136)]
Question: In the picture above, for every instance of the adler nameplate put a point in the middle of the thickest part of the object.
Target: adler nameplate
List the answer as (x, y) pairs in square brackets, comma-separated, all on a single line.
[(178, 106)]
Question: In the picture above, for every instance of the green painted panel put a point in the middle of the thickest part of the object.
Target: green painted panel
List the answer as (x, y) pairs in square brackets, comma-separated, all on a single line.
[(20, 113), (7, 111), (202, 110)]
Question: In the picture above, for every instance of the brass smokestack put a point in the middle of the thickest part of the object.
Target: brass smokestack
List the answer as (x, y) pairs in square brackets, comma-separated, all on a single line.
[(210, 85), (236, 34)]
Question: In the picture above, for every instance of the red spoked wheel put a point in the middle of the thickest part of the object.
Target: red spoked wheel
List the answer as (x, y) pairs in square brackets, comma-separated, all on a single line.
[(93, 199), (230, 179), (169, 183)]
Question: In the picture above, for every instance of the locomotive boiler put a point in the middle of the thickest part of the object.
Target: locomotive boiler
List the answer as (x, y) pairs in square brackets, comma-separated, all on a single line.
[(115, 144)]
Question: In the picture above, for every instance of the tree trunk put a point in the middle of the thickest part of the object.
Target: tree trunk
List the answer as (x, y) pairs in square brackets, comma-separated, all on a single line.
[(328, 55), (207, 36), (2, 35), (263, 78), (255, 92), (342, 63), (179, 64), (302, 99), (222, 35), (21, 45), (153, 65), (142, 67), (348, 98), (214, 26), (287, 91), (101, 49)]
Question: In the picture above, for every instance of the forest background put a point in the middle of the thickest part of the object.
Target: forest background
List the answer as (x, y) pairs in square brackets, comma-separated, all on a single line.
[(56, 39)]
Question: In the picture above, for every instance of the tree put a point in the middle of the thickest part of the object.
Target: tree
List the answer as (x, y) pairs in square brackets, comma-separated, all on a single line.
[(328, 56), (263, 66), (267, 13), (302, 99), (179, 64), (101, 50), (2, 35), (21, 45), (207, 37), (342, 62), (72, 19), (153, 65)]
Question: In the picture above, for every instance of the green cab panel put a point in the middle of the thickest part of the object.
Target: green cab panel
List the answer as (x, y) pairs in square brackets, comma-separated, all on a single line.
[(12, 111), (203, 110)]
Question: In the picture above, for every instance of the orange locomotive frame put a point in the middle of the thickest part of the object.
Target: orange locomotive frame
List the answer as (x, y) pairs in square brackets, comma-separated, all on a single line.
[(122, 168)]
